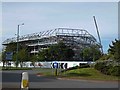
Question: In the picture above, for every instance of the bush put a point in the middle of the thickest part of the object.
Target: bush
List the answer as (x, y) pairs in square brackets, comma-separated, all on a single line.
[(115, 71), (100, 66), (107, 68)]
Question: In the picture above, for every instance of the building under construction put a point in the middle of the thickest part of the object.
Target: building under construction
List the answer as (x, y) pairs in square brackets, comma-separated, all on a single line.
[(76, 39)]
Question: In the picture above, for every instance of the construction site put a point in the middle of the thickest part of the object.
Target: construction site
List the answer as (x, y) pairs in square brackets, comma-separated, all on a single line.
[(76, 39)]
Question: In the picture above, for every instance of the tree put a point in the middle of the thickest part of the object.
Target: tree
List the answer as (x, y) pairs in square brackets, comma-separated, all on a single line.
[(33, 59), (115, 50), (106, 57), (3, 58), (58, 52), (11, 47), (96, 53), (44, 55), (22, 56), (61, 52), (91, 53), (22, 52), (110, 65), (87, 55)]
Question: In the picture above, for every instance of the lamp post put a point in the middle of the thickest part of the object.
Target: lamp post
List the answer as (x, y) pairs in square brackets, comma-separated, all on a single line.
[(18, 28)]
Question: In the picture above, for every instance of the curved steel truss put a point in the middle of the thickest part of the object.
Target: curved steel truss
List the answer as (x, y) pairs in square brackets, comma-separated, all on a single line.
[(54, 32), (77, 39)]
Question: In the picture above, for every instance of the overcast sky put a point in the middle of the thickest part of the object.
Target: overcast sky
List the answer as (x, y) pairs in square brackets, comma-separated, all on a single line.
[(40, 16)]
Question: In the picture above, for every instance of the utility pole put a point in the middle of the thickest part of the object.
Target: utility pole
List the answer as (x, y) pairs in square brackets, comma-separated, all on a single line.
[(18, 28)]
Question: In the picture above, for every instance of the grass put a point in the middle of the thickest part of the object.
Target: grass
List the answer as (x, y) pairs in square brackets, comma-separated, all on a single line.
[(88, 73), (46, 71), (15, 68), (82, 73)]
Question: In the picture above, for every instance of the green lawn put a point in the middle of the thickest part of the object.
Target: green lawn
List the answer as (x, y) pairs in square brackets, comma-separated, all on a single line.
[(87, 73)]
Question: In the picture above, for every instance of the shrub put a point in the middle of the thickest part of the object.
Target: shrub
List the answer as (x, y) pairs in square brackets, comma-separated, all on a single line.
[(100, 66), (115, 71), (107, 68)]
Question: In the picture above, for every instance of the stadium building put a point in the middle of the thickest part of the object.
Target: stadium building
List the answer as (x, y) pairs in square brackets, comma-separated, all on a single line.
[(76, 39)]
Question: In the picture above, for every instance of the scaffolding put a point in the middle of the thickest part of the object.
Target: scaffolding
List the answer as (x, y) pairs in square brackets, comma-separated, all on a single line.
[(77, 39)]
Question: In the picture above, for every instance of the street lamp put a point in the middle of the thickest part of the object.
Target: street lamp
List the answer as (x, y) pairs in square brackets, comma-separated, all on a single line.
[(18, 28)]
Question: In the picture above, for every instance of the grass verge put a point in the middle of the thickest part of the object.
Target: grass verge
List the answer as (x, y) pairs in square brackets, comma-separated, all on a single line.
[(15, 68), (81, 73), (87, 73)]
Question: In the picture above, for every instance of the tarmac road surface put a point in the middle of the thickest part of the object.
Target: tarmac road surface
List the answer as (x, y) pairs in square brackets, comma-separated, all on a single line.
[(12, 79)]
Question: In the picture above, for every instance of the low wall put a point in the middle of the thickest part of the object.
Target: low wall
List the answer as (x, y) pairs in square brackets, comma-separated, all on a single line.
[(61, 64)]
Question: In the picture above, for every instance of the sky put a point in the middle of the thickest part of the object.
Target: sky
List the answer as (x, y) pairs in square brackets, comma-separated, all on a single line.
[(41, 16)]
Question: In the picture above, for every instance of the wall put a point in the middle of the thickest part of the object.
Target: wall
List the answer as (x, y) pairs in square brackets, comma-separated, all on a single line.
[(61, 64)]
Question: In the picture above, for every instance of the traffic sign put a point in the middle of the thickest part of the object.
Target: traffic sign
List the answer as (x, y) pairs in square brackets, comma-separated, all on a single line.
[(55, 65), (63, 65), (9, 55)]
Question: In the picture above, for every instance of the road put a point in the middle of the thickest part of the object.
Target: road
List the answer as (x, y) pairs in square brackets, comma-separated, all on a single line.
[(12, 79)]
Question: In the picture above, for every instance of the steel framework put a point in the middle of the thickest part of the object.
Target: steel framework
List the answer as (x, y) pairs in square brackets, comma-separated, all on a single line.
[(77, 39)]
